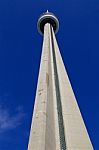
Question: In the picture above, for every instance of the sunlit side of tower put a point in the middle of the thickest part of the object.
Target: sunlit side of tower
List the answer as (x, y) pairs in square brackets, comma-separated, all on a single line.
[(57, 123)]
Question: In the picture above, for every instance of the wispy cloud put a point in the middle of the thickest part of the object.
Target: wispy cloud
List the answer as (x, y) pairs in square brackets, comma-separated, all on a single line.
[(9, 121)]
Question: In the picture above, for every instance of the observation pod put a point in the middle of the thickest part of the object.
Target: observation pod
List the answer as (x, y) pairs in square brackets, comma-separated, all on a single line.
[(47, 17)]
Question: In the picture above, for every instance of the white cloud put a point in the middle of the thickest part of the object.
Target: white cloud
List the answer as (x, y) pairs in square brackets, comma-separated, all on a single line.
[(8, 121)]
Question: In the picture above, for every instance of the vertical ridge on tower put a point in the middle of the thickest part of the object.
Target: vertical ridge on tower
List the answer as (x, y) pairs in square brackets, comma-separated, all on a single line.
[(58, 97)]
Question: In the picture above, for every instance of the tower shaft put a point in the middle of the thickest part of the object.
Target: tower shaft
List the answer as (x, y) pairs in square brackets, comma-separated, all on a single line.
[(57, 123)]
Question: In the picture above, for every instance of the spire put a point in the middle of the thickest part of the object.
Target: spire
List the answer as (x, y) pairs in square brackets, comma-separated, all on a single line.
[(47, 11)]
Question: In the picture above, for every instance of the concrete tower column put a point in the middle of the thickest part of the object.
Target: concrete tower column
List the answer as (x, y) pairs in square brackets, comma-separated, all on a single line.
[(57, 123)]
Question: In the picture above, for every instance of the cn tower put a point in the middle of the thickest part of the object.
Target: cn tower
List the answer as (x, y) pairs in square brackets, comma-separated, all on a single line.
[(57, 123)]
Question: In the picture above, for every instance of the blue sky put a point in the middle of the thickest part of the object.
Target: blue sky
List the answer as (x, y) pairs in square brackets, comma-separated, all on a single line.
[(20, 50)]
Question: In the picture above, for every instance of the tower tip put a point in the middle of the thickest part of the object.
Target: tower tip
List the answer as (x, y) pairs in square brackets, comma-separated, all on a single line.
[(50, 18)]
